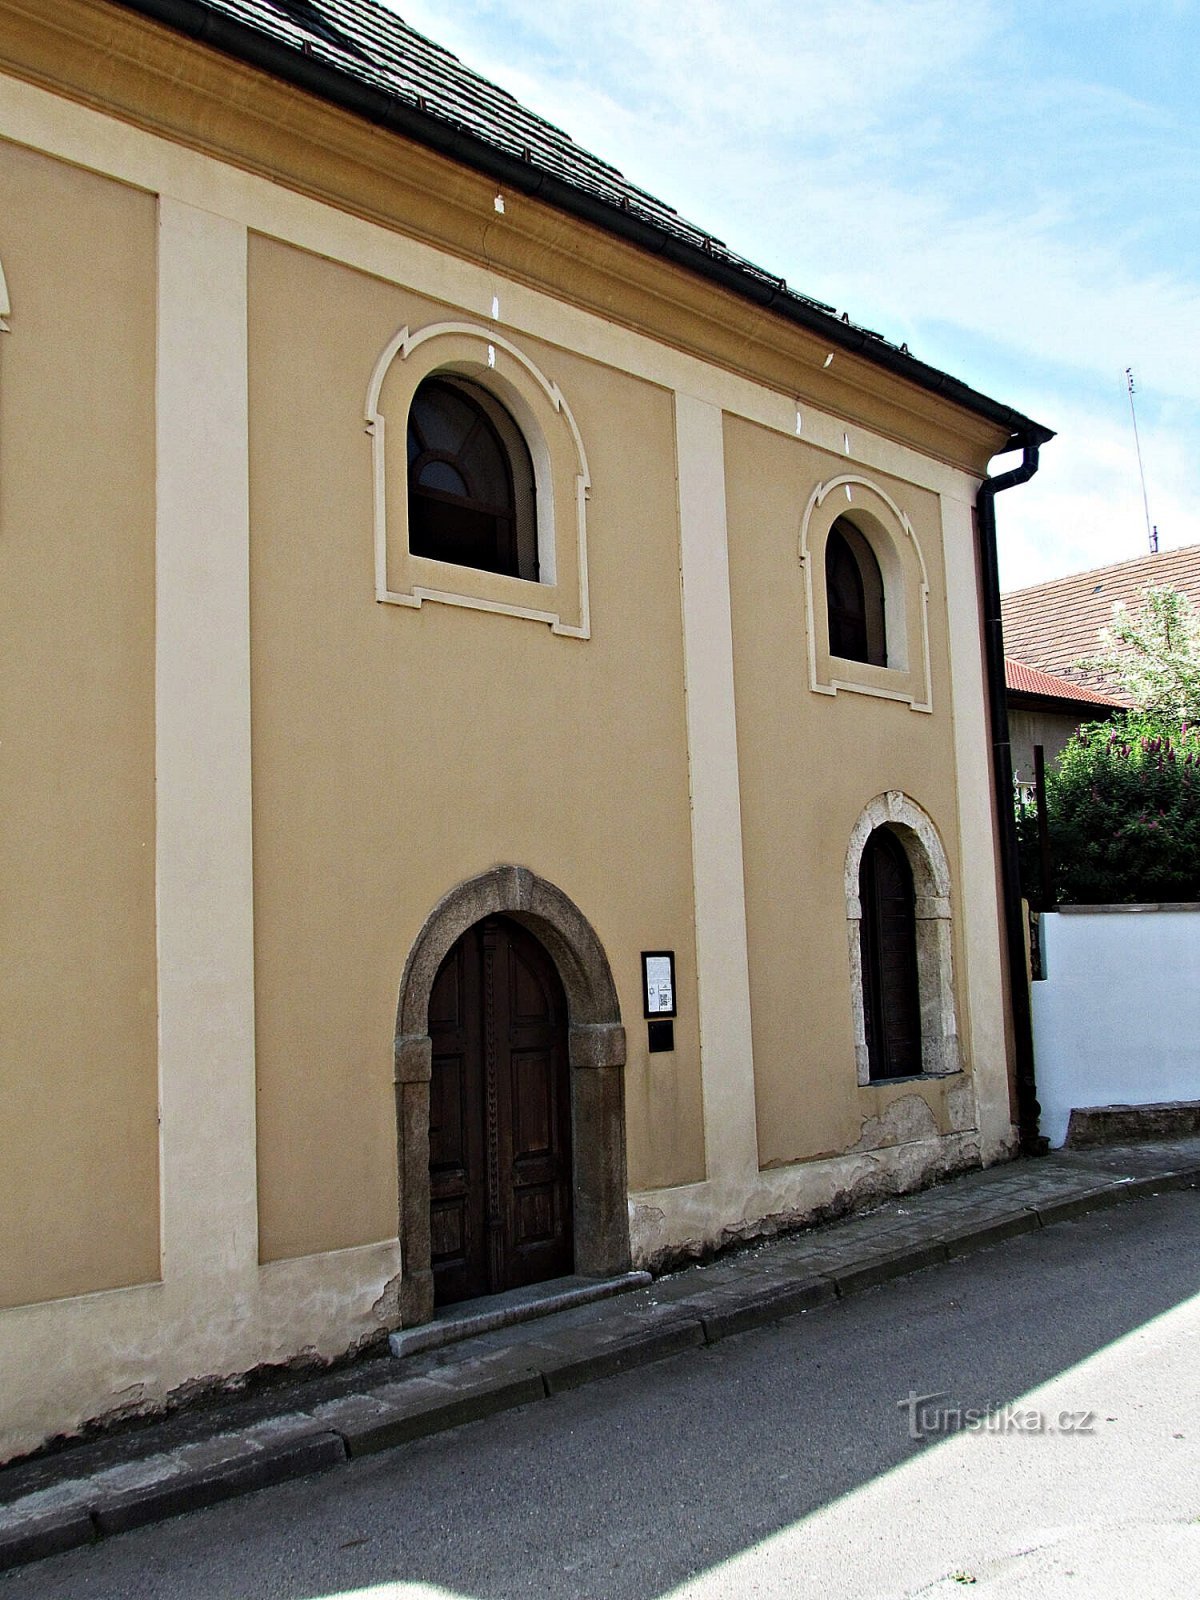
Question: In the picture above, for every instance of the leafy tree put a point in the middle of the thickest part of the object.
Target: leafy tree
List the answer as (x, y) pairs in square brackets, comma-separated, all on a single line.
[(1154, 656), (1123, 798)]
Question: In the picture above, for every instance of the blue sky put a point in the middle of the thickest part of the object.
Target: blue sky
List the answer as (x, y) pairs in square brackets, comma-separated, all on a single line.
[(1012, 190)]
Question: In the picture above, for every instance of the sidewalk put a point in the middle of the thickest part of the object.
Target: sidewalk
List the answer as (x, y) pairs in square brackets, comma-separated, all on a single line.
[(141, 1473)]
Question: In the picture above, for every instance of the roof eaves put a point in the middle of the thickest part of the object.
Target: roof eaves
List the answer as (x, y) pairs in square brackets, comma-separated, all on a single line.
[(1134, 569), (389, 109), (1022, 678)]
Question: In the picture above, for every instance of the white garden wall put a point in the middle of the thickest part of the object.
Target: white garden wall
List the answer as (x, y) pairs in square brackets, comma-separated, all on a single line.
[(1116, 1021)]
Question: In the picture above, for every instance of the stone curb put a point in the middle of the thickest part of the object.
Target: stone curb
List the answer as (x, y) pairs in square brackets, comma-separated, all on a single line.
[(883, 1266), (50, 1521), (80, 1511), (734, 1313), (1069, 1207), (190, 1490), (401, 1412), (962, 1241), (569, 1363), (31, 1535), (1166, 1182)]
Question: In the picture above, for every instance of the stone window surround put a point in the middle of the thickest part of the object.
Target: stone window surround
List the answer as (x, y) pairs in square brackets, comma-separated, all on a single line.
[(891, 536), (940, 1050), (561, 475), (596, 1052)]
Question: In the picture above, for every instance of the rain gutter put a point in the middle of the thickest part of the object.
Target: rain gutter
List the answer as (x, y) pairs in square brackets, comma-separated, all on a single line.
[(1028, 1110)]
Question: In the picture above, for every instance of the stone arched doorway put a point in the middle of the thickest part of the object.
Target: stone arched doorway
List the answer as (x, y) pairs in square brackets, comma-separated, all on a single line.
[(596, 1055), (914, 832)]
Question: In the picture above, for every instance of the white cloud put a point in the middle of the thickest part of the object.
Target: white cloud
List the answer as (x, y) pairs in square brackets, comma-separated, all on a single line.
[(698, 58), (918, 164), (818, 143), (1084, 508)]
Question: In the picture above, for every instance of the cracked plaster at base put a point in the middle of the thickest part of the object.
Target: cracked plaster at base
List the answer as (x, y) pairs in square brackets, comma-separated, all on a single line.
[(128, 1352), (217, 1313), (961, 1111), (908, 1120), (670, 1225)]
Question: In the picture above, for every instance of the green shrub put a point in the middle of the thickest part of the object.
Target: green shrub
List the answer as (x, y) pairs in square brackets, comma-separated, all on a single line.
[(1123, 802)]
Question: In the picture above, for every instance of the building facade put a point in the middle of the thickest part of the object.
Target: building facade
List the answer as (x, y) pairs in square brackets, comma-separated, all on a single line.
[(1047, 710), (1049, 628), (341, 859)]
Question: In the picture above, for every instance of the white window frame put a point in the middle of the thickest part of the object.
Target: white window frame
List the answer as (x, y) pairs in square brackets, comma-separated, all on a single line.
[(890, 533), (559, 595)]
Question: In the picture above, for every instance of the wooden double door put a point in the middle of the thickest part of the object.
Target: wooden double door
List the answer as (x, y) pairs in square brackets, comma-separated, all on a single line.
[(499, 1116)]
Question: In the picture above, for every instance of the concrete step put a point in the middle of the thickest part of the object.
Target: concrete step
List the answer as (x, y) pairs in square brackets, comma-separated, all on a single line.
[(471, 1317), (1168, 1119)]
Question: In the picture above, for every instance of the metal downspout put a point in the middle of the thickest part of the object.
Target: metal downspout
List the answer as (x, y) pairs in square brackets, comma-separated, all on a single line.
[(1028, 1110)]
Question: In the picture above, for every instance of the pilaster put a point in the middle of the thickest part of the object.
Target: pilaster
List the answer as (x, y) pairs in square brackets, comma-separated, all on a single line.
[(204, 859), (726, 1047)]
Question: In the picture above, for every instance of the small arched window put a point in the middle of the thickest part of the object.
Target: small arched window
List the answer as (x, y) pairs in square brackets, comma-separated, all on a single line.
[(470, 481), (854, 591), (890, 986)]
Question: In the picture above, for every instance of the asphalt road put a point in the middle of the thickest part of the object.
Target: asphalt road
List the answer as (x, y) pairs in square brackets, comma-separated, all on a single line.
[(781, 1463)]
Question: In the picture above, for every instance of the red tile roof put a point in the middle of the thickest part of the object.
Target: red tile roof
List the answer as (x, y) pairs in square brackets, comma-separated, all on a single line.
[(1029, 680), (1051, 625)]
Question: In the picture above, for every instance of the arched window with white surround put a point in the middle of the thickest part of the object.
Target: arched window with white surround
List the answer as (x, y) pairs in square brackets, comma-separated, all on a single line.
[(888, 942), (866, 594), (480, 479), (900, 943)]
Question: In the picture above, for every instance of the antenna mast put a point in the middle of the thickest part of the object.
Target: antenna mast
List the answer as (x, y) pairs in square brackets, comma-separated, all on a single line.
[(1151, 533)]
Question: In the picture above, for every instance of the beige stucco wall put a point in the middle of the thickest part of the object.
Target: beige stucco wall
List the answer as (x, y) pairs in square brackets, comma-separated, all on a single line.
[(78, 1087), (809, 763), (385, 753), (397, 752)]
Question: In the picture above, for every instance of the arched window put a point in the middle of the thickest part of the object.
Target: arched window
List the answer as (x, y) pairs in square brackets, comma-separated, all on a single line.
[(890, 987), (854, 592), (470, 481)]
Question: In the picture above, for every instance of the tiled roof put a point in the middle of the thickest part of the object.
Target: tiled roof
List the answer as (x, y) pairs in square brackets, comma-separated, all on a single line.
[(367, 41), (1021, 679), (1051, 625), (360, 54)]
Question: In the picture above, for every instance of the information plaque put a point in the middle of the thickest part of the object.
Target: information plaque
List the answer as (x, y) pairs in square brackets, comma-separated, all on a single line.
[(658, 982)]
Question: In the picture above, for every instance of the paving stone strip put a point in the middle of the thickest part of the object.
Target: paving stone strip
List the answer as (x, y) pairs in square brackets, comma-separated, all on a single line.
[(101, 1487)]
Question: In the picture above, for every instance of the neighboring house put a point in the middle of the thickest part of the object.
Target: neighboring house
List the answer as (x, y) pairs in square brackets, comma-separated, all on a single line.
[(496, 772), (1046, 709), (1053, 625), (1049, 627)]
